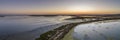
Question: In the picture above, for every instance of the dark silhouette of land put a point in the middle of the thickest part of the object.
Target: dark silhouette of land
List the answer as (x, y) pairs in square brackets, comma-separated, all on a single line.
[(101, 15)]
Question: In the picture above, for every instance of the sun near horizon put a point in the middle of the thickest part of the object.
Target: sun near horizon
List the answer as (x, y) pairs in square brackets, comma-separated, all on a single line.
[(60, 7)]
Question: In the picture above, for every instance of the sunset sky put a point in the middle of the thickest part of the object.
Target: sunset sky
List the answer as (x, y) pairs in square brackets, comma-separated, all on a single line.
[(59, 6)]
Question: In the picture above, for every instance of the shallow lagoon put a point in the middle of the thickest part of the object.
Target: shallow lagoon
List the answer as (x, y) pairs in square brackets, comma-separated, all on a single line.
[(106, 30)]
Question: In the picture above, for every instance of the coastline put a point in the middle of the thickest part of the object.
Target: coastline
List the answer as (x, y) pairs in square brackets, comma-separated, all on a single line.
[(69, 35), (61, 35)]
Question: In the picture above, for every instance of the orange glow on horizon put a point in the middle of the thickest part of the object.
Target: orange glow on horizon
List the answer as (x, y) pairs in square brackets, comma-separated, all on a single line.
[(72, 10)]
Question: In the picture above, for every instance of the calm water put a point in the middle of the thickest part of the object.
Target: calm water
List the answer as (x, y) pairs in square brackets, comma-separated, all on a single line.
[(26, 27), (108, 30)]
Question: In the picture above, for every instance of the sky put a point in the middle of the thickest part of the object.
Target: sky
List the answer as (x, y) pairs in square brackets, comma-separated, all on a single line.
[(59, 6)]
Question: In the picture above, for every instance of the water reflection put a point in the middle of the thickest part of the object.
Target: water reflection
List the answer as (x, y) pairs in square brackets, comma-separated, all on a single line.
[(26, 27), (98, 31)]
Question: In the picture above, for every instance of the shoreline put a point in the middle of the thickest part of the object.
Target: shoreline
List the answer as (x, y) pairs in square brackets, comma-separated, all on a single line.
[(69, 35), (61, 32)]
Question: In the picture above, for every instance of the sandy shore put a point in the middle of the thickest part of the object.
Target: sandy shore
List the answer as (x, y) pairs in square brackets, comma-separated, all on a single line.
[(69, 35)]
